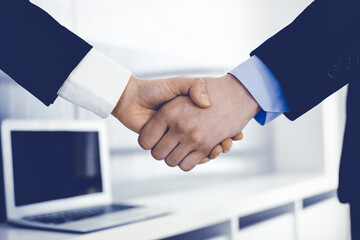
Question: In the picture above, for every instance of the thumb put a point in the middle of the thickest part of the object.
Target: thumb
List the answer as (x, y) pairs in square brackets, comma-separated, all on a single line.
[(193, 87)]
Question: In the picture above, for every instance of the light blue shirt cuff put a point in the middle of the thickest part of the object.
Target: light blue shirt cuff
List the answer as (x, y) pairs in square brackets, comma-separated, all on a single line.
[(264, 87)]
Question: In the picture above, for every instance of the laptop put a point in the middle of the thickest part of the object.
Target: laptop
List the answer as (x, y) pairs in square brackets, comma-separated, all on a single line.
[(57, 177)]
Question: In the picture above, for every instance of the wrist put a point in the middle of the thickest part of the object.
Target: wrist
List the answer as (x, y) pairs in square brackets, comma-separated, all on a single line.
[(127, 97), (243, 95), (233, 100)]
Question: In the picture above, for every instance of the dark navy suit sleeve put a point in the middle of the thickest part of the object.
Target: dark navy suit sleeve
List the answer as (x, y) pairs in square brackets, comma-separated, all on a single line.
[(317, 54), (35, 50)]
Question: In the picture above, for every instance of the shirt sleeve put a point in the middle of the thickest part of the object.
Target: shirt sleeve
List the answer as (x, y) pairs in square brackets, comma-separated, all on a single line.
[(264, 87), (96, 84)]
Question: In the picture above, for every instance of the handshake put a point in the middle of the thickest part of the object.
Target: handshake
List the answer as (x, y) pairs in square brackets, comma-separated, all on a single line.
[(186, 121)]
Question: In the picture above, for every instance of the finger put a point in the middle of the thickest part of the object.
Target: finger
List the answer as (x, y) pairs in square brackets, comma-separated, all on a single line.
[(238, 136), (178, 154), (205, 160), (198, 94), (226, 145), (152, 132), (194, 87), (216, 151), (164, 147), (191, 161)]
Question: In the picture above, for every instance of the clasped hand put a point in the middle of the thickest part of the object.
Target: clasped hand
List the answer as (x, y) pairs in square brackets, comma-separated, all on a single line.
[(186, 121)]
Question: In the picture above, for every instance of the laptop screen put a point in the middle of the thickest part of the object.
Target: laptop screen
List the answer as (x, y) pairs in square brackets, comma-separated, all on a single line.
[(51, 165)]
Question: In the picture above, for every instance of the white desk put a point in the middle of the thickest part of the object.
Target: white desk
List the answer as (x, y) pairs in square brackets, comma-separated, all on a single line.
[(200, 207)]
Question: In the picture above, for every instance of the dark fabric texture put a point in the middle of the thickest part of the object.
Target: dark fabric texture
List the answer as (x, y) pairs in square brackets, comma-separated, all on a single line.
[(316, 55), (355, 221), (313, 57), (35, 50)]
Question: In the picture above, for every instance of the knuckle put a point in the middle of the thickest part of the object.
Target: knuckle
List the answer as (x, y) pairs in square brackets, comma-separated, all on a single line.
[(197, 138), (170, 113), (198, 80), (184, 126)]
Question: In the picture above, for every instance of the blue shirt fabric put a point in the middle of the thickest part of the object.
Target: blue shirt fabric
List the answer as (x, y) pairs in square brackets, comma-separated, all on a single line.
[(264, 87)]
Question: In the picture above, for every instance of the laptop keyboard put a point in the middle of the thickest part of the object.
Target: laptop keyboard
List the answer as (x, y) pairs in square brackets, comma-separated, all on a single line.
[(77, 214)]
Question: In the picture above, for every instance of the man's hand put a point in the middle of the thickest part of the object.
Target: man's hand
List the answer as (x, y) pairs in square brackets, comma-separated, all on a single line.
[(184, 134), (143, 98), (224, 147)]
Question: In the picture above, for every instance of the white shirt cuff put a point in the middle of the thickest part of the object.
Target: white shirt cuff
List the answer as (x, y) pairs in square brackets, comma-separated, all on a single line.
[(96, 84)]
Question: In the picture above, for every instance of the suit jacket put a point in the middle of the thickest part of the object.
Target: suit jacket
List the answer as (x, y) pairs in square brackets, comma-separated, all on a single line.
[(35, 50), (316, 55)]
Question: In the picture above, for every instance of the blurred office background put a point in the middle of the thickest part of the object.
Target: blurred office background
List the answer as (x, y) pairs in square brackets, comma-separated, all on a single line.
[(159, 38)]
